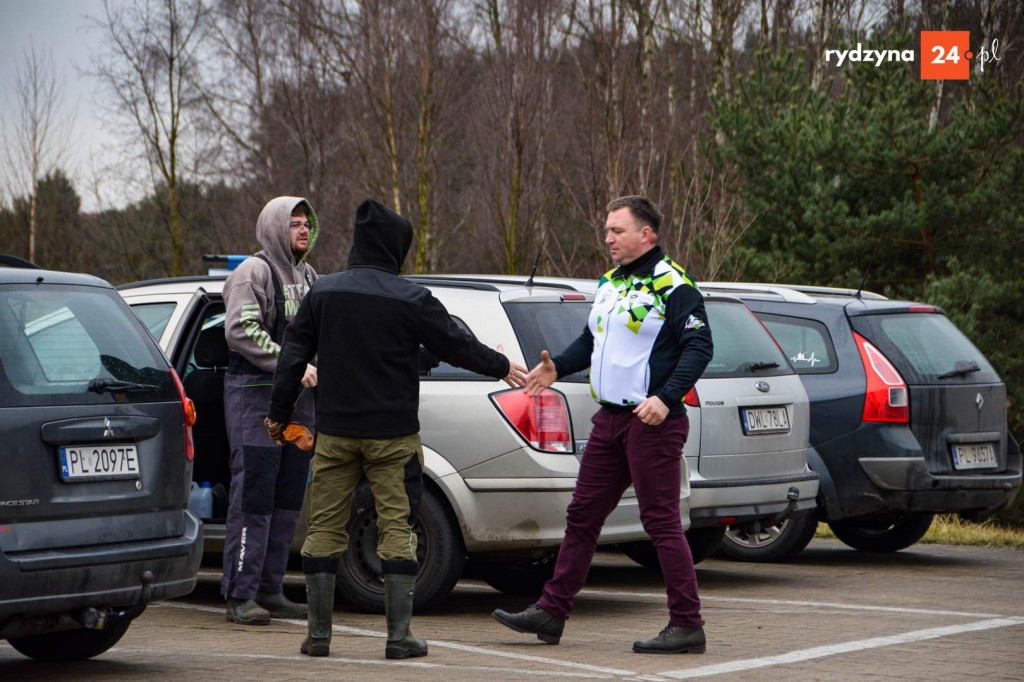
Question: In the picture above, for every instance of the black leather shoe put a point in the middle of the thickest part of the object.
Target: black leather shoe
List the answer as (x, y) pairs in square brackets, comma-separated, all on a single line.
[(246, 612), (533, 619), (674, 640)]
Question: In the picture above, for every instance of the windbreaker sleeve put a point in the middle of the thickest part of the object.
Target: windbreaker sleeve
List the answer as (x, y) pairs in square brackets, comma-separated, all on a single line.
[(442, 337), (250, 314), (576, 357), (301, 338), (688, 321)]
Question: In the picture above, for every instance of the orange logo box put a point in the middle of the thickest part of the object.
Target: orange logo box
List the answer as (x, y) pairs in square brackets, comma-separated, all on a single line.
[(946, 55)]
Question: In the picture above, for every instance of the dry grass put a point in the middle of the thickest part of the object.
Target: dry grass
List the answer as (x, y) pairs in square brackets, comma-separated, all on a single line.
[(949, 529)]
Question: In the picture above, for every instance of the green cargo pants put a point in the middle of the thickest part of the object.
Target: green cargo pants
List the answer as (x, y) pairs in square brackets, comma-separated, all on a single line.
[(394, 468)]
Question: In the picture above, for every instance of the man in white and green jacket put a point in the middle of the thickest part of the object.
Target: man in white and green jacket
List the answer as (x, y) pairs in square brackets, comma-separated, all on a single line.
[(647, 341)]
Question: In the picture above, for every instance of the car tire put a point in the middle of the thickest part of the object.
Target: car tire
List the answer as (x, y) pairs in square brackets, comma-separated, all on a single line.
[(439, 551), (517, 578), (888, 535), (780, 542), (70, 645), (702, 541)]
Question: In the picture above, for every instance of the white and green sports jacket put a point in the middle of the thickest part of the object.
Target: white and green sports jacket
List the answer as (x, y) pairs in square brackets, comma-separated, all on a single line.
[(647, 335)]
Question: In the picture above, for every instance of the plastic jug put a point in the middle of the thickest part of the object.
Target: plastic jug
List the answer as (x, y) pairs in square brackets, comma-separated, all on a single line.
[(200, 502)]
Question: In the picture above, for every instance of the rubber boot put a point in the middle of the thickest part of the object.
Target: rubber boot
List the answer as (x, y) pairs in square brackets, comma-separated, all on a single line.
[(399, 580), (321, 572)]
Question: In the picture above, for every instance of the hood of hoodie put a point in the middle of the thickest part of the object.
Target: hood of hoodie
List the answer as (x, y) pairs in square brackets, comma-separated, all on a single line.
[(274, 233), (381, 238)]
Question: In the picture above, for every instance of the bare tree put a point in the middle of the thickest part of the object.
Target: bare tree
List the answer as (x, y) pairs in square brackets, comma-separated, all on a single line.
[(149, 73), (37, 139)]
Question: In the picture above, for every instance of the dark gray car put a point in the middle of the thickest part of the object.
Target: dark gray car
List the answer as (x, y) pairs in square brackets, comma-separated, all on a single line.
[(97, 461), (908, 418)]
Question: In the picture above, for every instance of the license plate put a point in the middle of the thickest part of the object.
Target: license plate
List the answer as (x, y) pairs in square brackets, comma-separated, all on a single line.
[(98, 462), (974, 456), (765, 420)]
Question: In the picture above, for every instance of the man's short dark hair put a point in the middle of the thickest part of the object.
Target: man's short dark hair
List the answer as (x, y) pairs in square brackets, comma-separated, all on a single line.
[(641, 208), (301, 209)]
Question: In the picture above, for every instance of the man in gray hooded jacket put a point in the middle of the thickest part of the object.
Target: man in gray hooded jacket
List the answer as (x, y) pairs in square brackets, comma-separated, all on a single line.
[(267, 479)]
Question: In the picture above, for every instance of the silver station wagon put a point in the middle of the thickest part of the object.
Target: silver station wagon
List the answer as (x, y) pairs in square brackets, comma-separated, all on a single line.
[(500, 467), (749, 426)]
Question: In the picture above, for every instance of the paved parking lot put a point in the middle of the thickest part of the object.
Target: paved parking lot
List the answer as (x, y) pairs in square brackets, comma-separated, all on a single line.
[(929, 613)]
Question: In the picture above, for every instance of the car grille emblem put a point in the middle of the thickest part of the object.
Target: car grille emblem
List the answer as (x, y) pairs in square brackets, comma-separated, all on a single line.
[(762, 386), (108, 431), (979, 401)]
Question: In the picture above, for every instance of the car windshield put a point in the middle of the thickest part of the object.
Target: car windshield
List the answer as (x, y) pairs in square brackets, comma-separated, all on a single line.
[(549, 326), (71, 345), (926, 348), (743, 348)]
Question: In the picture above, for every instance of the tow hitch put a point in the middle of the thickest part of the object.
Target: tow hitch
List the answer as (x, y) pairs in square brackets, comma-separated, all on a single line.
[(97, 619), (792, 497)]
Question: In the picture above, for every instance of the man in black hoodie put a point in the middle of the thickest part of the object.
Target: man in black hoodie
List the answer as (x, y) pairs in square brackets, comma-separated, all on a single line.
[(367, 324)]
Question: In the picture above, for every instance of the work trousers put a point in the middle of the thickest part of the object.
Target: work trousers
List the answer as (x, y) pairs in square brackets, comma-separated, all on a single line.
[(267, 485), (394, 469), (623, 450)]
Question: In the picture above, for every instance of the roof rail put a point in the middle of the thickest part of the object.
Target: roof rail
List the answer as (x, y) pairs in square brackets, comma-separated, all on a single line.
[(791, 293), (453, 283), (16, 262)]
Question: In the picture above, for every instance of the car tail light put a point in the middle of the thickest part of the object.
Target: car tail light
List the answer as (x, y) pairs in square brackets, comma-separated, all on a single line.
[(923, 309), (189, 409), (543, 422), (887, 398), (691, 398)]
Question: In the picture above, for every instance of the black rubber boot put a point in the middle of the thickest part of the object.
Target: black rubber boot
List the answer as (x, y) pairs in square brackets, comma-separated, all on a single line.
[(321, 572), (535, 620), (674, 640), (280, 606), (246, 612), (399, 581)]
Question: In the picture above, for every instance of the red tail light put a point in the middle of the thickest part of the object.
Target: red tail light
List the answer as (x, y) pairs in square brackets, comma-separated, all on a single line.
[(887, 398), (543, 422), (691, 398), (189, 409)]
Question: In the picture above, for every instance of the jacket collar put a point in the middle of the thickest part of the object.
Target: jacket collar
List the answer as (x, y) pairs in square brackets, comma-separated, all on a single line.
[(642, 265)]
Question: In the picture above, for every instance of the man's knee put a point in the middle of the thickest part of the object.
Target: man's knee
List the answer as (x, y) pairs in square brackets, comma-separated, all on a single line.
[(260, 478)]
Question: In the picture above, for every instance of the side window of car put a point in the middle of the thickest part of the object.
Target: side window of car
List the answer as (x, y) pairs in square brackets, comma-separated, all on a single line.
[(155, 316), (431, 368), (806, 343)]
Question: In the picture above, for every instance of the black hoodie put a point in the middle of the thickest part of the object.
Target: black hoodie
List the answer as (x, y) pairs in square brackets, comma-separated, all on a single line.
[(366, 326)]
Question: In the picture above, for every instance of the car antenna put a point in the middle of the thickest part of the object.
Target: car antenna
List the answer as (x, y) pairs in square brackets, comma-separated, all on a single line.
[(540, 249)]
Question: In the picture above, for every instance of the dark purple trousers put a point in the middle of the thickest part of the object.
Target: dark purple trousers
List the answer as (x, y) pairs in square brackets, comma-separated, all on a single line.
[(623, 450)]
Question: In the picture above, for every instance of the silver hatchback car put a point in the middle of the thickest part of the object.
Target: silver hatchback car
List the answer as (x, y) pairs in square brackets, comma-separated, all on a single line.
[(501, 468)]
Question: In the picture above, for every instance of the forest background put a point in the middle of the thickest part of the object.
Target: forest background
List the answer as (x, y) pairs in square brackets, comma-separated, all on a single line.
[(771, 163)]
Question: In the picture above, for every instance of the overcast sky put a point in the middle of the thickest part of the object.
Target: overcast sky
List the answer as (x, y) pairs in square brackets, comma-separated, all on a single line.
[(58, 27)]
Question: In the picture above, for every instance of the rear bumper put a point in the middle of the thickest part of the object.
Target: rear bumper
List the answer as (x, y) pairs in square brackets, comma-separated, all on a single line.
[(716, 502), (54, 582), (909, 481)]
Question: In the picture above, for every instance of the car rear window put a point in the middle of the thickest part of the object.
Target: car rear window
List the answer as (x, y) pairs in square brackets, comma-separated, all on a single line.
[(926, 348), (549, 326), (806, 343), (59, 344), (742, 346), (155, 316)]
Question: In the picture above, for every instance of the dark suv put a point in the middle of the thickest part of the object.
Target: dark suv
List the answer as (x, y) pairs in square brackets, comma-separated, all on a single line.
[(908, 418), (97, 461)]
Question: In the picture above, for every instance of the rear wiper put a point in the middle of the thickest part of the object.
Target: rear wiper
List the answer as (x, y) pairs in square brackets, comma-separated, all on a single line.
[(962, 370), (755, 366), (114, 385)]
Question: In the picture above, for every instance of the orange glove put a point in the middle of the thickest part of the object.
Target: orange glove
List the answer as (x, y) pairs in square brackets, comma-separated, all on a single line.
[(292, 433)]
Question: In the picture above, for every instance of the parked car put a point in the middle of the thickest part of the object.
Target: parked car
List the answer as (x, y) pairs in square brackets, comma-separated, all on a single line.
[(747, 449), (908, 418), (97, 460), (500, 469)]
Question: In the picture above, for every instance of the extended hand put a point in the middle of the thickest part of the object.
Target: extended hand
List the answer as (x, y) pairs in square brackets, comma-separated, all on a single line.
[(652, 411), (541, 376), (309, 377), (516, 373)]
